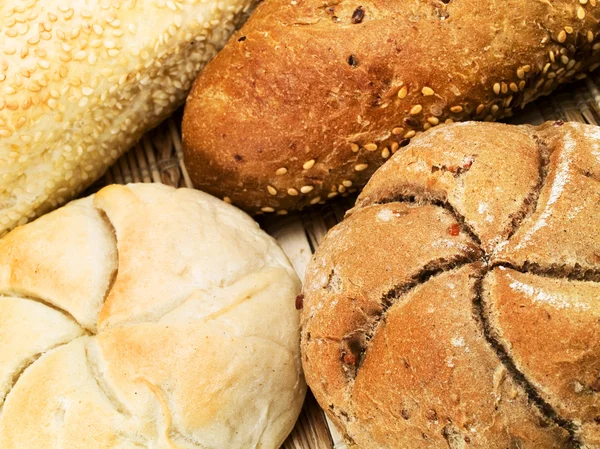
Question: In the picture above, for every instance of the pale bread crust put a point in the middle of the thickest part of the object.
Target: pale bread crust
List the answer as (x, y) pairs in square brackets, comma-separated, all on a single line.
[(147, 317), (486, 352), (281, 120), (82, 80)]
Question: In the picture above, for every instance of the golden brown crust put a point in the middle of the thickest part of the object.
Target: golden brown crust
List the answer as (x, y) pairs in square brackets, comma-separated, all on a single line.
[(475, 352), (443, 381), (550, 327), (347, 322), (488, 181), (563, 231), (310, 97)]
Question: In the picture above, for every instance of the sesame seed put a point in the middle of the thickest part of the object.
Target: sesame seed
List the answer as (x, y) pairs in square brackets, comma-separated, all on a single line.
[(292, 192), (281, 171), (308, 164), (403, 92), (504, 87), (332, 195), (562, 36), (394, 147), (480, 109), (580, 13), (371, 147), (520, 73), (433, 120), (354, 147), (410, 134), (397, 131), (494, 109), (449, 121), (272, 190), (341, 188), (497, 88), (456, 109), (522, 84), (590, 36), (227, 199), (416, 109), (347, 183), (427, 91), (569, 30), (385, 153), (282, 212), (514, 87), (361, 167), (315, 200), (306, 189), (564, 59), (267, 209)]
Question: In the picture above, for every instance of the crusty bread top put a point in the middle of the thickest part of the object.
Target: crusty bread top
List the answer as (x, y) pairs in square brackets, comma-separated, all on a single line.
[(310, 97), (145, 316), (81, 80), (456, 305)]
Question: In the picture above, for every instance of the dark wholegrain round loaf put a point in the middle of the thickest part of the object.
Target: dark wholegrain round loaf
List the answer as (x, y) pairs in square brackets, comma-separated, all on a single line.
[(310, 97), (457, 305)]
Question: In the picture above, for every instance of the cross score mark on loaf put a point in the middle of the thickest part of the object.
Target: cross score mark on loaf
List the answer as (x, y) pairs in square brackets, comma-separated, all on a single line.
[(438, 333)]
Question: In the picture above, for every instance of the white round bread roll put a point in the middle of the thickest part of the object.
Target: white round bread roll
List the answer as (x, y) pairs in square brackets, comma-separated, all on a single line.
[(147, 317), (81, 80)]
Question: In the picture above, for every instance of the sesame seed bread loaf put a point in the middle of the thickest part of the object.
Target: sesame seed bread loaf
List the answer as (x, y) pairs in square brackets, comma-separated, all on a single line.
[(147, 317), (311, 96), (456, 306), (80, 81)]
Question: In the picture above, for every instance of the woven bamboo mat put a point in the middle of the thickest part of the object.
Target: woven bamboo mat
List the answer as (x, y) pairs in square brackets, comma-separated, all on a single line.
[(158, 158)]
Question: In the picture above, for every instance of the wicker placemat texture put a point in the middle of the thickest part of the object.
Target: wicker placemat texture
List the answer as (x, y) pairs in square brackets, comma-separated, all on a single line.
[(158, 158)]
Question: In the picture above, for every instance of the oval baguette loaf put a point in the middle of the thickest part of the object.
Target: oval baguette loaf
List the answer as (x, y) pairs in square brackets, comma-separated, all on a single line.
[(457, 306), (147, 317), (80, 81), (311, 96)]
